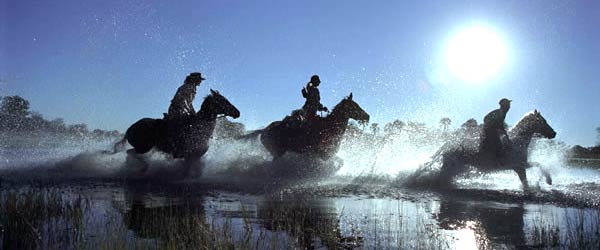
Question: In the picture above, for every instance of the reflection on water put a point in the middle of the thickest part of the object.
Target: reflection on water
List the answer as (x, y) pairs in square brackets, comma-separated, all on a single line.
[(155, 216), (492, 224), (303, 219), (151, 218)]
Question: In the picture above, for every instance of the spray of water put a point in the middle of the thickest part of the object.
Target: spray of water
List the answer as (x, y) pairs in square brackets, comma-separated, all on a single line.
[(361, 154)]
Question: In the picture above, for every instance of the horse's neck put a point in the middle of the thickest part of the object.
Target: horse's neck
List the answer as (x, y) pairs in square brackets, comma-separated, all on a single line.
[(207, 116), (337, 121), (521, 136), (206, 113), (207, 122)]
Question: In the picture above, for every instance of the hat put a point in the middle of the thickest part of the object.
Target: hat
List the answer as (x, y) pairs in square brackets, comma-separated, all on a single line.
[(197, 75), (504, 101), (315, 79)]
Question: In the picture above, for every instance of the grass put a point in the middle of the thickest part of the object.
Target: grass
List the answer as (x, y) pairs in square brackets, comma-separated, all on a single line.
[(50, 218), (68, 218), (580, 230)]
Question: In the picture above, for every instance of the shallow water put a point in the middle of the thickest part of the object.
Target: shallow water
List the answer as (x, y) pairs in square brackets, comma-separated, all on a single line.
[(60, 198), (151, 215)]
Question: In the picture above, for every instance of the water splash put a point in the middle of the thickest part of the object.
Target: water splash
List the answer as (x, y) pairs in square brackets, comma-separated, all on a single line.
[(361, 154), (391, 154)]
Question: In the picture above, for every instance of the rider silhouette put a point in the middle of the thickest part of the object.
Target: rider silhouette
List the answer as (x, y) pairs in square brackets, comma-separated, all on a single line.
[(181, 104), (313, 98), (493, 128), (181, 113)]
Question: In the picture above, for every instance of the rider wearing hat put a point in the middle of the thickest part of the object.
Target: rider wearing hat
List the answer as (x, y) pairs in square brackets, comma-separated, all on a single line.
[(313, 98), (181, 113), (493, 128), (181, 104)]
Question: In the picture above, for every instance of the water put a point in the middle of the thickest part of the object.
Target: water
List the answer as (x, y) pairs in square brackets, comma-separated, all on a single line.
[(155, 216), (98, 200)]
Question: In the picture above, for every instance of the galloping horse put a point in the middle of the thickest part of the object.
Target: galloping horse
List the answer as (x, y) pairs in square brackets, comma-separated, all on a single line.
[(321, 137), (181, 139), (455, 157)]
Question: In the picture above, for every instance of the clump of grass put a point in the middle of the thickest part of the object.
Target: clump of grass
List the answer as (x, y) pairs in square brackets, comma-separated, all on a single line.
[(39, 218), (573, 229), (55, 218)]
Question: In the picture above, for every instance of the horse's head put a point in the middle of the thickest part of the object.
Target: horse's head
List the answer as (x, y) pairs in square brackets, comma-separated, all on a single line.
[(350, 108), (217, 104), (538, 124)]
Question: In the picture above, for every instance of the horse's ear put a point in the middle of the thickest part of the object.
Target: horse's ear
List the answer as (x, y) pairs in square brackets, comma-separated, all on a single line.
[(350, 96), (535, 111), (213, 92)]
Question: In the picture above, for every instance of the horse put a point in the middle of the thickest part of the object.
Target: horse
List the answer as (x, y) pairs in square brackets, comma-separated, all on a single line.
[(187, 139), (320, 137), (454, 157)]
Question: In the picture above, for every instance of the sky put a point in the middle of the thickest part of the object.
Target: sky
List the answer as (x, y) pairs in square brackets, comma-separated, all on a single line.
[(109, 63)]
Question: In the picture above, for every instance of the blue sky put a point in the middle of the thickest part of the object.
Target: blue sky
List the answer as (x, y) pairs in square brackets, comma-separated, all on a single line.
[(109, 63)]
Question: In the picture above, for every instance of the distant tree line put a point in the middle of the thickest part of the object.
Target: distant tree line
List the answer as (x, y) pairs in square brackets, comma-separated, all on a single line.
[(15, 116), (598, 136), (397, 126), (587, 152)]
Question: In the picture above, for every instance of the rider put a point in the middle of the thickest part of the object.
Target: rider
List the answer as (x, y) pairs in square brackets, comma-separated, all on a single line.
[(181, 112), (493, 128), (181, 104), (313, 98)]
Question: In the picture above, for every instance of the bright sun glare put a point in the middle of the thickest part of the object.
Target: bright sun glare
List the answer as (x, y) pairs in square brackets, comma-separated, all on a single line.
[(475, 54)]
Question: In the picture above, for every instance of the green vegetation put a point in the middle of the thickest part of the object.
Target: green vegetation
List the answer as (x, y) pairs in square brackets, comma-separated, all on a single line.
[(584, 157), (16, 117)]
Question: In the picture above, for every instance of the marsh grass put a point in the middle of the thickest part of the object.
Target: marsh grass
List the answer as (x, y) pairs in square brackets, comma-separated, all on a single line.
[(63, 218), (52, 218), (570, 229), (34, 219)]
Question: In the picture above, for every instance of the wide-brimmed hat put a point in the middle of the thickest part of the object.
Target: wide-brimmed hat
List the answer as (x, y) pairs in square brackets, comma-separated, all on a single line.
[(197, 75), (504, 101)]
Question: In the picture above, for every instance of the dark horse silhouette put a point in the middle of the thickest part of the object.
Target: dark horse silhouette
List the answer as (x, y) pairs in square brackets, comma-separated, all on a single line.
[(454, 157), (320, 137), (181, 139)]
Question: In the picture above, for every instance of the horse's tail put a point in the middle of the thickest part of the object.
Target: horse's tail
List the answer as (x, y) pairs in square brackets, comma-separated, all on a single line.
[(119, 146), (250, 136)]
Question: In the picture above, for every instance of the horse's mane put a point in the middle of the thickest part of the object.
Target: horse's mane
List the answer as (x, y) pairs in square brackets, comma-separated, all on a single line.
[(205, 103), (524, 122), (337, 105), (211, 95)]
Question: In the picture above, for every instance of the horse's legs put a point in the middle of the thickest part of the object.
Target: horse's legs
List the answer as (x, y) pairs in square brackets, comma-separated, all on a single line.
[(275, 150), (521, 172), (277, 154), (451, 166), (547, 176), (544, 172), (131, 153), (190, 159), (188, 163)]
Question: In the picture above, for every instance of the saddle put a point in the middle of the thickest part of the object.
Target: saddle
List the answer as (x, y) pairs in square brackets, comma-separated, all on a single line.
[(494, 147), (295, 120)]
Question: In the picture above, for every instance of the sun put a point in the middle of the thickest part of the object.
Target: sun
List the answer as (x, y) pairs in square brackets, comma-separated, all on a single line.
[(476, 54)]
